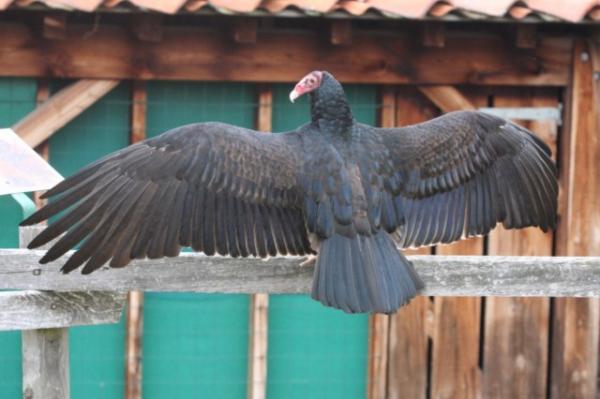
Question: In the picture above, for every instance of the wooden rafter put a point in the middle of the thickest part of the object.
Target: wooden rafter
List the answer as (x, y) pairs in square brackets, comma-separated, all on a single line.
[(61, 108), (191, 53), (446, 98)]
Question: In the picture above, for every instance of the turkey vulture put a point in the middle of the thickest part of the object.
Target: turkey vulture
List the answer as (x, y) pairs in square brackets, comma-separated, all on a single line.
[(334, 186)]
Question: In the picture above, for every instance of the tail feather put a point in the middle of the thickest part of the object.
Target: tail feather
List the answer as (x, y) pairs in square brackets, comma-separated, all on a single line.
[(364, 274)]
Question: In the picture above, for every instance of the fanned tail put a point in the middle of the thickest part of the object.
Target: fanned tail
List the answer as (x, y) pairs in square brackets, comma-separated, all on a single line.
[(363, 274)]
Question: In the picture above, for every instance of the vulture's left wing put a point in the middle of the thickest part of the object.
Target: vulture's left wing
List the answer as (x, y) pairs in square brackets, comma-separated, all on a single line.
[(211, 186), (460, 174)]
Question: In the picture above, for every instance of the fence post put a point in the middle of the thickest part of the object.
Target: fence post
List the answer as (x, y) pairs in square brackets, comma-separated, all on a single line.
[(45, 352)]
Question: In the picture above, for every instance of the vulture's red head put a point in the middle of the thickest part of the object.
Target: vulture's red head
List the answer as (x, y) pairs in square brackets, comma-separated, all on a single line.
[(310, 82)]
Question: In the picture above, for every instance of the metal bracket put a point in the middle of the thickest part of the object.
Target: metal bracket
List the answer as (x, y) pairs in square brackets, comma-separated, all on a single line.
[(527, 113)]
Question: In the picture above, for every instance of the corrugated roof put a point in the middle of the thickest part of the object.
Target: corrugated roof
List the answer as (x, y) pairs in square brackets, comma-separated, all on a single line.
[(543, 10)]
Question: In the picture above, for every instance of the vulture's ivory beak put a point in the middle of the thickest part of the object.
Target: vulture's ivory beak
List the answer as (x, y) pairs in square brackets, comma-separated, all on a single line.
[(294, 94)]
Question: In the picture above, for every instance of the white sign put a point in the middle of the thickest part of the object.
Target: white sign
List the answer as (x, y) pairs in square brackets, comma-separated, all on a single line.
[(21, 168)]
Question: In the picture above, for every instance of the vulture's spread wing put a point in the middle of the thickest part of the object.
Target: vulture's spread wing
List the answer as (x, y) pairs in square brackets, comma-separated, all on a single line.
[(211, 186), (460, 174)]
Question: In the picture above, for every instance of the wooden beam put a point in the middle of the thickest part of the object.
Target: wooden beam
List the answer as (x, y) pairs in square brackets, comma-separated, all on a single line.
[(455, 371), (576, 321), (135, 299), (147, 27), (25, 310), (410, 328), (258, 346), (139, 98), (443, 275), (259, 303), (46, 363), (526, 36), (65, 105), (434, 34), (518, 367), (244, 30), (134, 336), (54, 26), (45, 352), (203, 54), (446, 98), (340, 32), (379, 325)]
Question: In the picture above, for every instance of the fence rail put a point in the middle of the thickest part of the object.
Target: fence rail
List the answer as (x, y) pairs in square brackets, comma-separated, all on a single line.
[(443, 275)]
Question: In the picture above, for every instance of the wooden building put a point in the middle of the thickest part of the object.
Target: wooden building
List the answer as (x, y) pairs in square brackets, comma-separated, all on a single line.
[(80, 78)]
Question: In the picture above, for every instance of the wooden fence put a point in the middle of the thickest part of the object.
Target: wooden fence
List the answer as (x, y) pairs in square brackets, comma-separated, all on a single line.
[(52, 302)]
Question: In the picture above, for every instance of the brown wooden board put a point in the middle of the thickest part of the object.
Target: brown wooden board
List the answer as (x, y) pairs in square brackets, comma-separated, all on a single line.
[(135, 299), (517, 329), (576, 321), (409, 340), (455, 369), (195, 53), (379, 324)]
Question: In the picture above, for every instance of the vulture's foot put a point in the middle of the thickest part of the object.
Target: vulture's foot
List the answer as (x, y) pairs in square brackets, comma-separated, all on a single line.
[(309, 261)]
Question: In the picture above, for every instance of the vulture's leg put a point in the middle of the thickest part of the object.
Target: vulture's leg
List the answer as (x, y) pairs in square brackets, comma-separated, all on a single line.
[(315, 244)]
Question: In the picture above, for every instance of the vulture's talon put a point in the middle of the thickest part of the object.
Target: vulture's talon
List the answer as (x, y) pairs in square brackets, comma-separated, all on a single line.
[(309, 261)]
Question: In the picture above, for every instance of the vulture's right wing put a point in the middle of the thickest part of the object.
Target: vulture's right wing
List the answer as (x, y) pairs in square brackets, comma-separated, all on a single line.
[(211, 186), (460, 174)]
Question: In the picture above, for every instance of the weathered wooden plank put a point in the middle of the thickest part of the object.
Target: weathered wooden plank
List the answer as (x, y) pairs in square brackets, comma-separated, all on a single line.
[(454, 361), (410, 328), (455, 371), (25, 310), (46, 364), (45, 353), (203, 54), (443, 275), (517, 329), (61, 108), (258, 346), (379, 325), (576, 322), (135, 299), (133, 344), (259, 303)]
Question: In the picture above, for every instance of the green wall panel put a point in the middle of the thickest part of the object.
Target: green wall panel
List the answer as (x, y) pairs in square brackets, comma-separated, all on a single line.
[(195, 345), (17, 98), (97, 352), (314, 351)]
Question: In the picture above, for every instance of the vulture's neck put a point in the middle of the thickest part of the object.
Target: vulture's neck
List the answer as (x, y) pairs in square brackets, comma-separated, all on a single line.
[(330, 110)]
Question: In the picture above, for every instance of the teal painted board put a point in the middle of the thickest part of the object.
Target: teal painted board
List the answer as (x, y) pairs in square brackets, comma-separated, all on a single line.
[(97, 352), (97, 355), (17, 99), (195, 345), (314, 351)]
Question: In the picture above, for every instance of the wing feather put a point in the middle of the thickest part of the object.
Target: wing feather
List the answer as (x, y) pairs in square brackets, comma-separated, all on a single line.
[(460, 174), (216, 187)]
